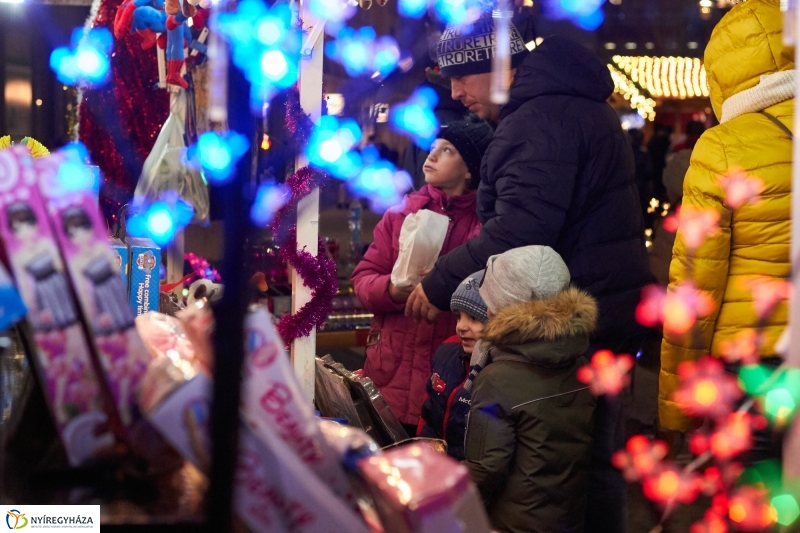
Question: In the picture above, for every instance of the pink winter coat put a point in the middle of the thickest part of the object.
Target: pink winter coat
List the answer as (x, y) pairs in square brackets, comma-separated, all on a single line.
[(399, 361)]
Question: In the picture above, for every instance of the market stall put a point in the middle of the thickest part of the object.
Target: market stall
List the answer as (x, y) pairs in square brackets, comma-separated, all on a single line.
[(179, 337)]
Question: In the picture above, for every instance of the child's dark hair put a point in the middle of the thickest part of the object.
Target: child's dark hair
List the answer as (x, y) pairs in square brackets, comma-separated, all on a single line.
[(75, 218), (20, 213)]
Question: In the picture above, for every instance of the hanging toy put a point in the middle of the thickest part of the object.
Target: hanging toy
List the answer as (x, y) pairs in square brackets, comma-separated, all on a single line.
[(144, 17), (36, 148), (147, 18)]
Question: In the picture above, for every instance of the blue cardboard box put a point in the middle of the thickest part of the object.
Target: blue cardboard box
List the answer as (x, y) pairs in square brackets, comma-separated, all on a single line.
[(122, 261), (145, 269)]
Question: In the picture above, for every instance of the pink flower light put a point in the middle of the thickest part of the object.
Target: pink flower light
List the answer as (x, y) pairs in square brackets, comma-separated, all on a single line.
[(706, 389), (712, 522), (750, 509), (677, 309), (742, 349), (672, 222), (740, 188), (732, 436), (767, 293), (640, 458), (670, 484), (697, 224), (606, 373)]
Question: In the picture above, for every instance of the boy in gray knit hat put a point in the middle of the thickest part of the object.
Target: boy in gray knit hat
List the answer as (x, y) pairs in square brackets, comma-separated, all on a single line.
[(529, 436), (446, 402)]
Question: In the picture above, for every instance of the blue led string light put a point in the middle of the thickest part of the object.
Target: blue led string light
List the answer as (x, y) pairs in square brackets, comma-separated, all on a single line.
[(86, 60), (415, 117)]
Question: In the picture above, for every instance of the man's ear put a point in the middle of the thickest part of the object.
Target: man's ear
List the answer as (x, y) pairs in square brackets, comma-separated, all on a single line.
[(489, 313)]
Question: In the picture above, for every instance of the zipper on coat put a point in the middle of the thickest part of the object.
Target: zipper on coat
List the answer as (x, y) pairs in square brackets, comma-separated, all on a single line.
[(450, 399)]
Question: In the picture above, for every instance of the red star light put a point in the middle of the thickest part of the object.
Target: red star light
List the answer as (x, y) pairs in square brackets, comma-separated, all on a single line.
[(670, 484), (706, 389), (677, 309), (712, 522), (743, 348), (731, 437), (607, 373), (740, 188), (750, 509), (640, 458), (767, 293), (697, 224)]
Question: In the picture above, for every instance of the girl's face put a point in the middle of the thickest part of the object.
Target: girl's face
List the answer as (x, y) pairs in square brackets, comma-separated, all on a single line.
[(25, 230), (469, 331), (445, 169), (80, 236)]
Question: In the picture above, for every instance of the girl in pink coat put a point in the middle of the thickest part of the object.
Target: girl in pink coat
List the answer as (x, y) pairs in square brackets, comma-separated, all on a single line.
[(399, 350)]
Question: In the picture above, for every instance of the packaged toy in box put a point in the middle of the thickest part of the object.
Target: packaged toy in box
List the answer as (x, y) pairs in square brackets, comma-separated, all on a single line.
[(416, 489), (83, 239), (74, 392)]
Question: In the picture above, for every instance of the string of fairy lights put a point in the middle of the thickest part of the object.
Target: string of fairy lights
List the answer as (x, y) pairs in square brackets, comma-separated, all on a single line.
[(643, 79)]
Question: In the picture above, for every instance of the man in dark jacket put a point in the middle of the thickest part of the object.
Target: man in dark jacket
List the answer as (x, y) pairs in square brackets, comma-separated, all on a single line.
[(559, 172)]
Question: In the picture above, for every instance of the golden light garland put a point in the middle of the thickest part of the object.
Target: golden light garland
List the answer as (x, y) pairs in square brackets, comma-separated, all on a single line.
[(642, 103), (665, 77)]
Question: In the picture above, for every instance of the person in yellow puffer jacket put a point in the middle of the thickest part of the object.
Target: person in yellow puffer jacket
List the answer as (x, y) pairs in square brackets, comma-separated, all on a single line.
[(751, 78)]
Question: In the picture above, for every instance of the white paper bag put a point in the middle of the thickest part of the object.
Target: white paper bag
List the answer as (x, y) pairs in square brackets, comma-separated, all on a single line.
[(421, 240)]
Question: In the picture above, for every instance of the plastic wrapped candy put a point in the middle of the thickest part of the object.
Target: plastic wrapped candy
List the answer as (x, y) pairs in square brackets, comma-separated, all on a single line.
[(416, 489)]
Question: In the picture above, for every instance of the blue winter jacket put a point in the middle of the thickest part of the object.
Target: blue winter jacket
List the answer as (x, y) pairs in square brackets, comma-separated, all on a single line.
[(446, 404)]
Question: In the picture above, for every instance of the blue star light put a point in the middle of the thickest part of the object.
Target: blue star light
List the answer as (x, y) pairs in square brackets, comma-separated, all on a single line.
[(160, 220), (217, 154), (269, 198), (412, 8), (415, 117), (265, 45), (74, 174), (457, 12), (361, 52), (586, 14), (379, 181), (86, 60), (330, 147), (334, 12)]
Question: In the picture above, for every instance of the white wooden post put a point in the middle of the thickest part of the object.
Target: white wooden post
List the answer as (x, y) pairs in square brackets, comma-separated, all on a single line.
[(791, 449), (175, 250), (310, 84)]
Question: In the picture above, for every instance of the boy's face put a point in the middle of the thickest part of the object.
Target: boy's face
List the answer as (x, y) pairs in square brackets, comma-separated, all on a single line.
[(469, 331)]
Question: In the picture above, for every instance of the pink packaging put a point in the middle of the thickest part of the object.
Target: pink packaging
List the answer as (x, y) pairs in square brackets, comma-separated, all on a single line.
[(417, 489), (91, 263), (274, 404), (63, 361), (274, 490)]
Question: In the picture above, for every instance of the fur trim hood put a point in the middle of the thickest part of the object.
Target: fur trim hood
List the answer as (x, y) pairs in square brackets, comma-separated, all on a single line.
[(571, 313), (551, 333)]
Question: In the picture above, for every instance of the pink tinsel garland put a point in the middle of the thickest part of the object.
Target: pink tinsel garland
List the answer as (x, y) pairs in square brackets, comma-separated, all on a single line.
[(201, 267), (318, 272)]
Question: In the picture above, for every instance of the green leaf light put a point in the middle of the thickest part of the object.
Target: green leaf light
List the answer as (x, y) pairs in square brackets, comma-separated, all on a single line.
[(751, 377), (779, 404), (787, 509)]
